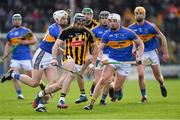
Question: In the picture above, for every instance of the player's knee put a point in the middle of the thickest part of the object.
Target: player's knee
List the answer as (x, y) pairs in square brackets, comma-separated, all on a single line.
[(158, 77), (58, 86), (35, 84), (52, 82), (103, 81), (141, 77)]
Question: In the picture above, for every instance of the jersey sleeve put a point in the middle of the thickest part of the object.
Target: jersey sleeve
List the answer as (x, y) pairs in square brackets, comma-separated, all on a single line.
[(132, 35), (53, 32), (8, 38), (62, 36), (91, 37)]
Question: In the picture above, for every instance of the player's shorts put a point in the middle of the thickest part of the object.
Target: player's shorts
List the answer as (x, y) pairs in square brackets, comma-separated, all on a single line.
[(122, 69), (41, 59), (26, 65), (153, 56)]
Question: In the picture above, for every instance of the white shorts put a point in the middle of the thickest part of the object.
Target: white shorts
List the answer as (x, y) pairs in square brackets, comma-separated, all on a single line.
[(41, 59), (105, 56), (153, 56), (26, 65), (122, 69)]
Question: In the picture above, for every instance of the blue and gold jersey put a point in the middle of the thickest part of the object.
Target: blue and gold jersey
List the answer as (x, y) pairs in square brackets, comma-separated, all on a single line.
[(50, 37), (147, 32), (21, 52), (120, 43), (98, 32)]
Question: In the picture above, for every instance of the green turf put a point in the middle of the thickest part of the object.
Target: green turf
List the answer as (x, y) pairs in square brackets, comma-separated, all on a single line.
[(129, 108)]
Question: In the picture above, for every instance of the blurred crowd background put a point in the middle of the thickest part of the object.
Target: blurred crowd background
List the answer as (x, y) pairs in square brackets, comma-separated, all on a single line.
[(37, 15)]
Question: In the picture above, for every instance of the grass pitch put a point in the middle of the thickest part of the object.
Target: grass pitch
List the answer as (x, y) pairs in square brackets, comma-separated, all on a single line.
[(128, 108)]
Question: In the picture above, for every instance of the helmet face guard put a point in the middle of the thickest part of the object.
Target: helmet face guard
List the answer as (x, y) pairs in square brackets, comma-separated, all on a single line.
[(114, 16), (104, 15), (87, 10), (79, 17), (59, 14), (16, 17)]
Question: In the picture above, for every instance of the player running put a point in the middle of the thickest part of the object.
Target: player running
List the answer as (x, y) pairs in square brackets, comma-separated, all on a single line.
[(98, 32), (149, 34), (42, 57), (77, 40), (120, 41), (21, 52)]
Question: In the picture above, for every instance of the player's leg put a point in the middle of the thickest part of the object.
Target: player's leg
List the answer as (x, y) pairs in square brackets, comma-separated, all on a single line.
[(51, 75), (104, 94), (83, 97), (17, 85), (36, 73), (122, 72), (70, 65), (159, 78), (98, 72), (157, 71), (141, 80), (16, 66), (97, 75), (107, 73), (118, 83)]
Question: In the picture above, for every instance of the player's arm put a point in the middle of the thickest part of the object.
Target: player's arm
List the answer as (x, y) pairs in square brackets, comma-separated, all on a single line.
[(32, 40), (55, 50), (104, 42), (7, 48), (28, 39), (57, 46), (139, 43), (102, 45), (95, 53), (165, 56)]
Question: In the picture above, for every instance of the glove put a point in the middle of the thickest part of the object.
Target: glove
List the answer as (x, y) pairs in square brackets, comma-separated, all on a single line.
[(28, 36)]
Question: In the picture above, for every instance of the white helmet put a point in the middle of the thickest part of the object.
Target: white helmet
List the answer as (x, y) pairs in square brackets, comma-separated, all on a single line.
[(59, 14), (115, 16), (16, 16), (79, 16)]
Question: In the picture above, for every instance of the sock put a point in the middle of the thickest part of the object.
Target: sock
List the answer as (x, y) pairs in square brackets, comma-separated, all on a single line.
[(161, 83), (40, 105), (62, 98), (93, 100), (143, 92), (83, 92), (42, 85), (41, 93), (92, 88), (16, 76), (103, 97), (19, 92)]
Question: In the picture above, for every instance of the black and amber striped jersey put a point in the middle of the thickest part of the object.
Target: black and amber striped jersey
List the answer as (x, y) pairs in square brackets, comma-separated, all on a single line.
[(77, 43), (92, 24)]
